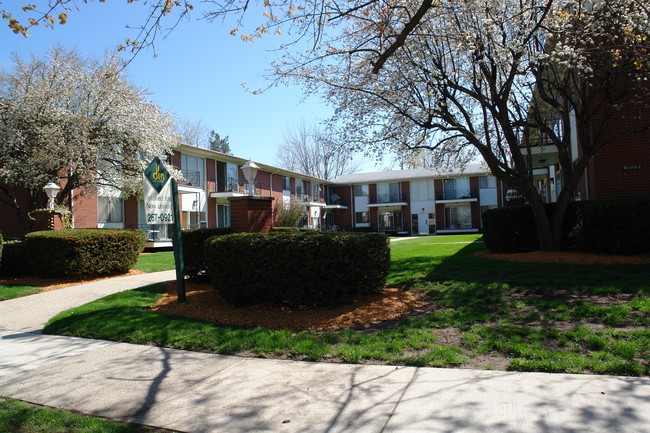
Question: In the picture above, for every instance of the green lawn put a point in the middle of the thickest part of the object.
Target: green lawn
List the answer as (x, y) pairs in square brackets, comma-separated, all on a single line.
[(154, 262), (528, 317), (10, 291), (20, 417)]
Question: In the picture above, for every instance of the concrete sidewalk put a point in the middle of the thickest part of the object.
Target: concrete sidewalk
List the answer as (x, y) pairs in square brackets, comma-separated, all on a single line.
[(31, 313), (201, 392)]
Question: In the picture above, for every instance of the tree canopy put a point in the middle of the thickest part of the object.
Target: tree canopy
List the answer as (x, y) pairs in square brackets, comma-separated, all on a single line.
[(78, 122), (315, 152)]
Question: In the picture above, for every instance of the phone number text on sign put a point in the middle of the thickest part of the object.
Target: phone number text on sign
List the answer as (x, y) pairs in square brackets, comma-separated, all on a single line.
[(155, 218)]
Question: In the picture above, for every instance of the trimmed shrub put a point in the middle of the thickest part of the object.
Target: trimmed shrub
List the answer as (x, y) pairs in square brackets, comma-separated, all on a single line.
[(297, 268), (83, 252), (294, 229), (510, 230), (513, 230), (193, 240), (616, 227), (14, 259)]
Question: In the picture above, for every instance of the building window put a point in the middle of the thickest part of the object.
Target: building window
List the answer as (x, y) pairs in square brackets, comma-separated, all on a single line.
[(485, 182), (458, 217), (457, 188), (193, 170), (223, 215), (286, 183), (390, 220), (110, 210), (361, 190), (300, 189), (315, 192), (362, 217), (388, 193)]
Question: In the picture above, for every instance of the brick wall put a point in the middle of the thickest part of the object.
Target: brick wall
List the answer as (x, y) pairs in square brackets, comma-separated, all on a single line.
[(251, 214), (84, 209)]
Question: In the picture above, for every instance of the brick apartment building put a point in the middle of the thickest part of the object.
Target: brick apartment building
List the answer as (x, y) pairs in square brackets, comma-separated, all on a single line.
[(415, 201)]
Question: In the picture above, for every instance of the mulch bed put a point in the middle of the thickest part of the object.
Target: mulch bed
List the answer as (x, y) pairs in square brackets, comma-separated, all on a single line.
[(366, 311)]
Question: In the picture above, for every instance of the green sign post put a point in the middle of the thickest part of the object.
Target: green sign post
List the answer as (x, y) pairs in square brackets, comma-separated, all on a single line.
[(161, 207)]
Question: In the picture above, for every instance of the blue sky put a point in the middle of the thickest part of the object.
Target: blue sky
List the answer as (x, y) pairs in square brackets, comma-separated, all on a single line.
[(197, 73)]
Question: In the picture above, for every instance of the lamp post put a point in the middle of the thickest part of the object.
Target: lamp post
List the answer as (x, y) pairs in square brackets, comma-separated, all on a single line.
[(250, 172), (51, 189)]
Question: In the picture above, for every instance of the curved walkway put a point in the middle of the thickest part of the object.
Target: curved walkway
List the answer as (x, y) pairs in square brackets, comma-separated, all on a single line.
[(202, 392)]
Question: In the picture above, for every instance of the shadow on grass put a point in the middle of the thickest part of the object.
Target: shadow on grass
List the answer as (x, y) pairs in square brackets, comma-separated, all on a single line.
[(466, 267)]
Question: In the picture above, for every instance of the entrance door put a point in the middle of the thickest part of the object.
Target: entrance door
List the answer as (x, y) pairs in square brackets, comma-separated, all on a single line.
[(423, 227)]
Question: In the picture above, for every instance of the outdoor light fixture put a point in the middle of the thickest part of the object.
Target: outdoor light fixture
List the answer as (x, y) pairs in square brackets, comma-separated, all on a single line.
[(250, 171), (51, 189)]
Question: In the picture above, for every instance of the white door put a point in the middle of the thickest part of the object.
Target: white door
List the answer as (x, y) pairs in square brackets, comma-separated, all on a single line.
[(423, 227)]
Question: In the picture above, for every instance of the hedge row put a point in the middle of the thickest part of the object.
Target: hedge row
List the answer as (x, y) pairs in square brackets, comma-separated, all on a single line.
[(193, 240), (616, 227), (610, 227), (14, 260), (297, 268), (83, 252)]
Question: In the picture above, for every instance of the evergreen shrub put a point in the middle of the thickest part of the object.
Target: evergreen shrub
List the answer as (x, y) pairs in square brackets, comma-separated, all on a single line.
[(513, 230), (297, 268), (616, 227), (83, 252), (510, 230), (14, 260), (193, 240)]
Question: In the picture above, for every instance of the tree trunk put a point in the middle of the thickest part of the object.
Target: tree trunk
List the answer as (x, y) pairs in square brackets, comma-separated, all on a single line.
[(544, 231), (557, 224)]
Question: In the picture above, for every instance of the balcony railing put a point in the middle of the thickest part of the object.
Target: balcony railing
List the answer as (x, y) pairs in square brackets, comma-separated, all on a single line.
[(231, 184), (389, 198), (457, 195), (311, 198), (156, 232), (191, 178)]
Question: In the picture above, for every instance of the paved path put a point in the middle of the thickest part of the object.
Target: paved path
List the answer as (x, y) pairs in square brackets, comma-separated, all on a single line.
[(201, 392), (31, 313)]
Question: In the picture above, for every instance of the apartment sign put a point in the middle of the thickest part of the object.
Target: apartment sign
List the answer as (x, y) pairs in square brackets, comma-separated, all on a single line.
[(158, 205)]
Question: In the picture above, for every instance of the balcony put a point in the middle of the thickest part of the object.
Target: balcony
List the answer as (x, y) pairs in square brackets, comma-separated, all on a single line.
[(457, 196), (392, 199), (191, 178), (232, 187), (231, 184), (306, 198)]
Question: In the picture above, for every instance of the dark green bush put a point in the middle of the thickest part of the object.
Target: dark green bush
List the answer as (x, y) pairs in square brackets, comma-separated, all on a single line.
[(513, 230), (293, 229), (616, 227), (510, 230), (83, 252), (297, 268), (14, 260), (193, 240), (363, 230)]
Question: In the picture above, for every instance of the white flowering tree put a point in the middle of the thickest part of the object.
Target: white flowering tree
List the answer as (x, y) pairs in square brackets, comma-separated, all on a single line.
[(460, 77), (77, 122)]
